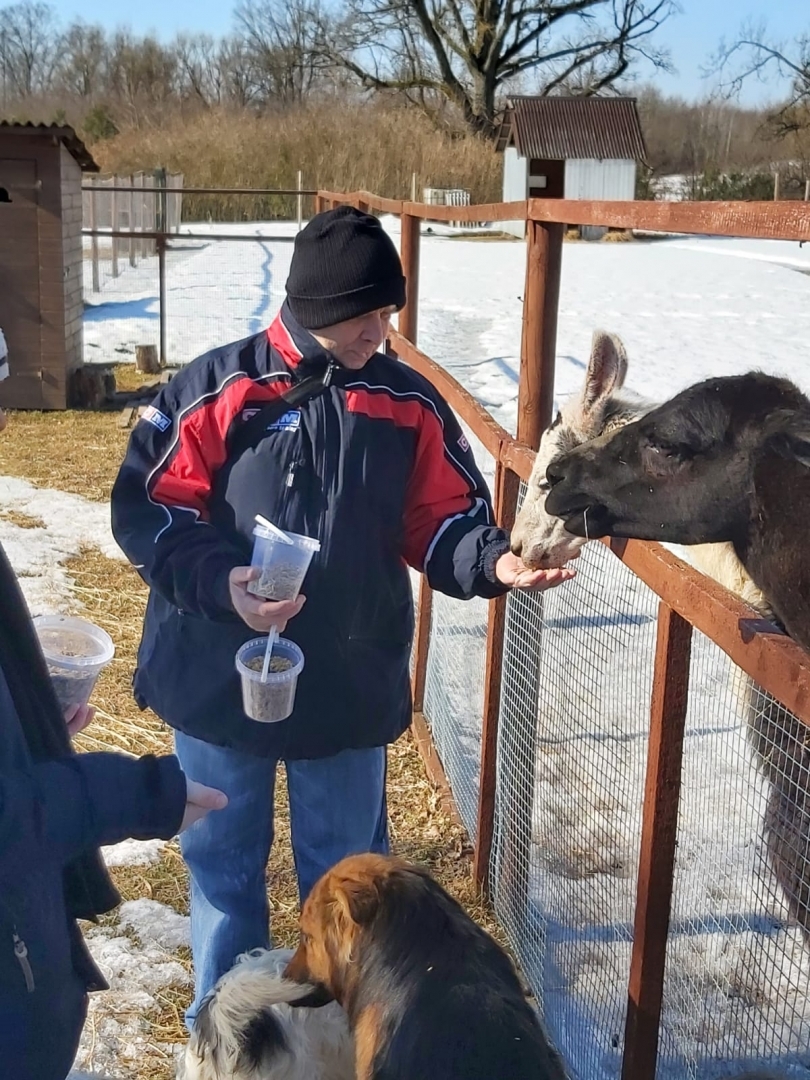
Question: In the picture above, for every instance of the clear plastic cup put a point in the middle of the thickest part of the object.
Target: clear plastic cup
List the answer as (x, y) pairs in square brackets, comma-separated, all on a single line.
[(273, 700), (283, 566), (76, 652)]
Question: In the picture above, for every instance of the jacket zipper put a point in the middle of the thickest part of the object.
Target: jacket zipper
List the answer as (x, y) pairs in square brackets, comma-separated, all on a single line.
[(21, 952)]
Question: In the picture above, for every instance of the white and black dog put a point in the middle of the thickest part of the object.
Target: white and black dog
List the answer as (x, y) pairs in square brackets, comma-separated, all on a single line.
[(248, 1028)]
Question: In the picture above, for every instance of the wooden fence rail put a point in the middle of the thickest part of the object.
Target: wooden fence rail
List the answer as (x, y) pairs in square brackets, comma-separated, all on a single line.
[(688, 600)]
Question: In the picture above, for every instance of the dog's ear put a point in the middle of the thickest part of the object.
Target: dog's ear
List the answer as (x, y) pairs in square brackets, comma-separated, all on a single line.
[(358, 900)]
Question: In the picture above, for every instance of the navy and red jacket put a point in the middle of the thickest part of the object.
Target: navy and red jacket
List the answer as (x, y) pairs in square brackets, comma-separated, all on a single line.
[(376, 468)]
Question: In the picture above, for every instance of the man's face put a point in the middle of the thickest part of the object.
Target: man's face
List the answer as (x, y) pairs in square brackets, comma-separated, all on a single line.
[(354, 342)]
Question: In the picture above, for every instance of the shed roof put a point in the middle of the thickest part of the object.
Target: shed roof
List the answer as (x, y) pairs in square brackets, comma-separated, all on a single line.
[(560, 128), (61, 133)]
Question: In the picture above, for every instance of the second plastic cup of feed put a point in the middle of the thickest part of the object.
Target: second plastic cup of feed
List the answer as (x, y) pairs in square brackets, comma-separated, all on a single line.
[(283, 566)]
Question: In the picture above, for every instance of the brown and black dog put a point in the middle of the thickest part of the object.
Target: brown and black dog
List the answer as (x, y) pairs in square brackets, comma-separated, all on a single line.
[(429, 995)]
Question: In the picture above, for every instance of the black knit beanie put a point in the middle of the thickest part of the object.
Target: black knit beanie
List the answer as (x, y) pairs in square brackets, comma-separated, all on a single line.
[(344, 264)]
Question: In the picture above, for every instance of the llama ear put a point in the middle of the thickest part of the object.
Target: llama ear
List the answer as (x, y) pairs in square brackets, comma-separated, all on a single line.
[(793, 440), (607, 368), (796, 447)]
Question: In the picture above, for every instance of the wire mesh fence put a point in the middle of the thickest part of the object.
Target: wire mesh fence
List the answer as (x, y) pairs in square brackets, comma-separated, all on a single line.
[(572, 747), (454, 691), (736, 990), (571, 759), (138, 209), (217, 289), (221, 290)]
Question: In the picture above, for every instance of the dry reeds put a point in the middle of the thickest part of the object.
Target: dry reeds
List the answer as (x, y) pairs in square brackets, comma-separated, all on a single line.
[(337, 146)]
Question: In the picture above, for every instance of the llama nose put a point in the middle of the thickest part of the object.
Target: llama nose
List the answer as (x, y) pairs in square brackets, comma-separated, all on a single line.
[(516, 546)]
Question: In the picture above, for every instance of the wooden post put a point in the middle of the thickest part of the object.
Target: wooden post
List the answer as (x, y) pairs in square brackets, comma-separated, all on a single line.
[(131, 220), (94, 240), (409, 253), (421, 645), (670, 695), (518, 738), (544, 242), (161, 252), (114, 225), (300, 200), (507, 485), (807, 191), (776, 187), (320, 204), (146, 359), (137, 182), (413, 187)]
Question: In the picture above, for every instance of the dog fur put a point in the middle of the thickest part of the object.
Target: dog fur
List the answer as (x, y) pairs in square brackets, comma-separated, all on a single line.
[(247, 1029), (428, 993)]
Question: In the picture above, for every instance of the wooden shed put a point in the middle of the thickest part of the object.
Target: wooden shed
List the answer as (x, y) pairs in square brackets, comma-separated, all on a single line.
[(41, 297), (569, 148)]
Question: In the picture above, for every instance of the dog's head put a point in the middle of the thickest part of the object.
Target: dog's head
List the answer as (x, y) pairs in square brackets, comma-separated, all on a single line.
[(337, 915)]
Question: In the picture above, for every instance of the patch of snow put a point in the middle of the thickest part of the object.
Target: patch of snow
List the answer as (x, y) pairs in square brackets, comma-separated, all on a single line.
[(156, 923), (70, 522), (116, 1033), (133, 853)]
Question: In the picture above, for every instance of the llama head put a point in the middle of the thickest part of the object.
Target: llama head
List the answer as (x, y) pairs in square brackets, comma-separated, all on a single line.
[(686, 472), (539, 538)]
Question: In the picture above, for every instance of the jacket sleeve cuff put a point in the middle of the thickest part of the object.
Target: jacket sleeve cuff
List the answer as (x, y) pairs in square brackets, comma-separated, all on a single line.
[(490, 554), (463, 562), (132, 798)]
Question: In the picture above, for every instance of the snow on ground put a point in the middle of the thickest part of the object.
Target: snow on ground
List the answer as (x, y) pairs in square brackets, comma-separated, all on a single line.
[(687, 308), (138, 959), (134, 853), (61, 525)]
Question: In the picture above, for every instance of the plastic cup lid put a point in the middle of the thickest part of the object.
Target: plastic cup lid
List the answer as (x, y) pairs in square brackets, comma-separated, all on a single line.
[(73, 642)]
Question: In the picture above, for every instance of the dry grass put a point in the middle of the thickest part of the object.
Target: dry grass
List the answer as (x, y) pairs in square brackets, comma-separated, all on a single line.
[(22, 521), (80, 452), (337, 145)]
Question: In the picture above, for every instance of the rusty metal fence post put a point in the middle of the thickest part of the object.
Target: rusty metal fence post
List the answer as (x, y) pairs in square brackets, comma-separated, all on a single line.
[(659, 829)]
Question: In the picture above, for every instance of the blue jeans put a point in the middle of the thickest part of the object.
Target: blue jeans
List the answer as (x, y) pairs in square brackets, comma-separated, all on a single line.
[(337, 808)]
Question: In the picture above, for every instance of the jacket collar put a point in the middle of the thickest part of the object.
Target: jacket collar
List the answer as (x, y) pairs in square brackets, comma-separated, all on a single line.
[(301, 352)]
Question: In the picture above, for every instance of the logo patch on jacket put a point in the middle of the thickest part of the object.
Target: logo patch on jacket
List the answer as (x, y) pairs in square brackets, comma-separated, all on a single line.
[(462, 442), (153, 416), (290, 421)]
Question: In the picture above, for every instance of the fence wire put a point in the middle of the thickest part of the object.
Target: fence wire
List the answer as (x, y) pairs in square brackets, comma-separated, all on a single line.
[(736, 990), (217, 291), (454, 690), (572, 749)]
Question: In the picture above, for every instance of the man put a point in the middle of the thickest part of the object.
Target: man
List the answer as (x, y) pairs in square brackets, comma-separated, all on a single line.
[(377, 469), (56, 808)]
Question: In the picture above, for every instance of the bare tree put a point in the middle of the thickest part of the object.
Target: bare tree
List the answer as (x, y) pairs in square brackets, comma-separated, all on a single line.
[(28, 48), (468, 51), (82, 65), (202, 74), (753, 55), (281, 42)]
